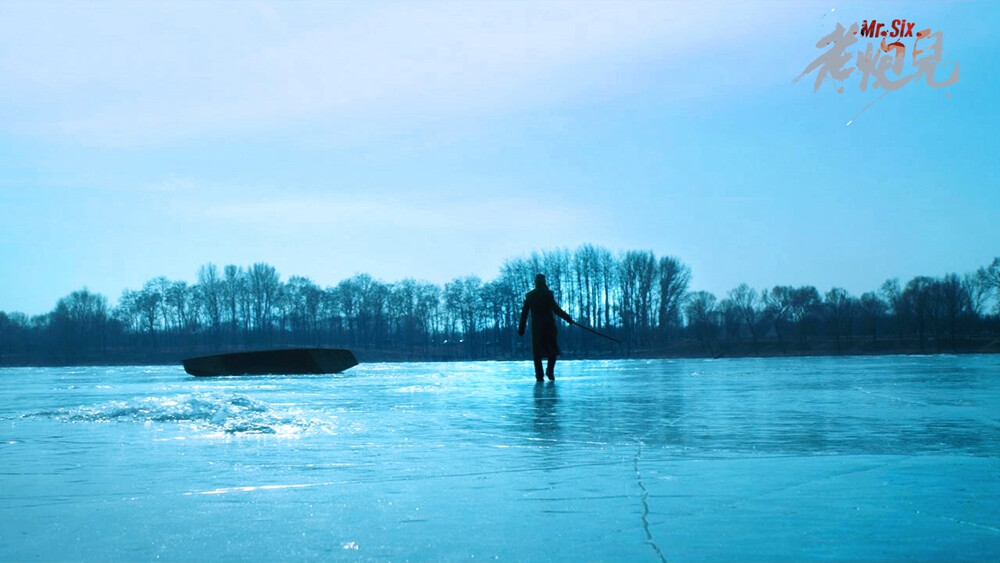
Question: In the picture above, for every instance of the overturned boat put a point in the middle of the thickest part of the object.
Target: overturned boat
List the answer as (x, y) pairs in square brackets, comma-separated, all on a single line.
[(292, 361)]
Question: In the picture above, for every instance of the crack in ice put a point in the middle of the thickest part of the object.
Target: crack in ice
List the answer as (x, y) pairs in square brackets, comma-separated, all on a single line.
[(645, 506)]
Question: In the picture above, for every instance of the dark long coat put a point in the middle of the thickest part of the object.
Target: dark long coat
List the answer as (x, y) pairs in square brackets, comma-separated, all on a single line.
[(541, 303)]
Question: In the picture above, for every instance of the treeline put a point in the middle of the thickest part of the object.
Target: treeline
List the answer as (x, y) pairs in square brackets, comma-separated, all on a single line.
[(635, 296)]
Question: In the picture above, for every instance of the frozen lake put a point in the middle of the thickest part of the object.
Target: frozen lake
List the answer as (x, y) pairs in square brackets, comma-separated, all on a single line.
[(880, 458)]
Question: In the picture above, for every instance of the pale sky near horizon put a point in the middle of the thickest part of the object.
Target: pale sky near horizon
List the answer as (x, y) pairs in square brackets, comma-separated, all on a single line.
[(435, 140)]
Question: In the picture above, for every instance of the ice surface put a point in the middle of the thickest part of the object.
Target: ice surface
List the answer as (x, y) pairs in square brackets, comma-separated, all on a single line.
[(888, 458)]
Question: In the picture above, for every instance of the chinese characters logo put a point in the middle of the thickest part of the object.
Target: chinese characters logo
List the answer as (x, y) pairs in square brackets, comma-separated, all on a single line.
[(883, 66)]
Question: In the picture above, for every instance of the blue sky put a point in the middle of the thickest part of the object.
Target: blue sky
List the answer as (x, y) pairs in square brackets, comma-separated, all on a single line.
[(434, 140)]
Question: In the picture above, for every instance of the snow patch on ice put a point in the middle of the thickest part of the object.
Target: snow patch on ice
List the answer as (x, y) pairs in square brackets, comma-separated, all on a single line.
[(218, 412)]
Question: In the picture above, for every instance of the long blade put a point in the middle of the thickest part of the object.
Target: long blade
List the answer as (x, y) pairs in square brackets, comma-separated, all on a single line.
[(588, 329)]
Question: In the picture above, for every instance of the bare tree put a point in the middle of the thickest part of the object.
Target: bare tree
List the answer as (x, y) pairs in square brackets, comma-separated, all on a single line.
[(211, 295), (674, 278), (778, 303), (732, 321), (79, 323), (805, 306), (893, 296), (919, 299), (233, 290), (989, 277), (302, 303), (700, 309), (955, 302), (586, 267), (264, 286), (150, 304), (840, 311), (748, 307), (873, 310), (463, 300), (636, 277)]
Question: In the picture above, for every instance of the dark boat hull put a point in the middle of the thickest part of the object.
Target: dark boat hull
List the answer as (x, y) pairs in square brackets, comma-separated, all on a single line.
[(273, 362)]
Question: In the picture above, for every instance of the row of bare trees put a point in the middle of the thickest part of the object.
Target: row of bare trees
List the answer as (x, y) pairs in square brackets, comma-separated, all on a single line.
[(640, 298), (926, 315)]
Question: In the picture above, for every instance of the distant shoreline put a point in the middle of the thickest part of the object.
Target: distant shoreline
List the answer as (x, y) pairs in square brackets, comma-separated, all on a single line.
[(640, 306), (732, 350)]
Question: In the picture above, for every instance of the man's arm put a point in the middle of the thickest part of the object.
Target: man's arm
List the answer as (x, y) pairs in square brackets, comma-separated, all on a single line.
[(524, 317), (558, 311)]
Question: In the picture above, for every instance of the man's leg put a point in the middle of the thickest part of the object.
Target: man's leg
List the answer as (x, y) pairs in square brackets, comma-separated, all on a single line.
[(550, 370), (538, 368)]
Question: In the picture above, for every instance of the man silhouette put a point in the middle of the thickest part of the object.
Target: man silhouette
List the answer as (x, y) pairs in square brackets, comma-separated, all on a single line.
[(544, 339)]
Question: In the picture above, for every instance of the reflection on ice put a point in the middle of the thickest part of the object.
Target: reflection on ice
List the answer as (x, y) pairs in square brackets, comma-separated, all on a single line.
[(545, 421)]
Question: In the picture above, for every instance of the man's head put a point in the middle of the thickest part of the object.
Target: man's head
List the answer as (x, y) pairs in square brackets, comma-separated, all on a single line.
[(540, 280)]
